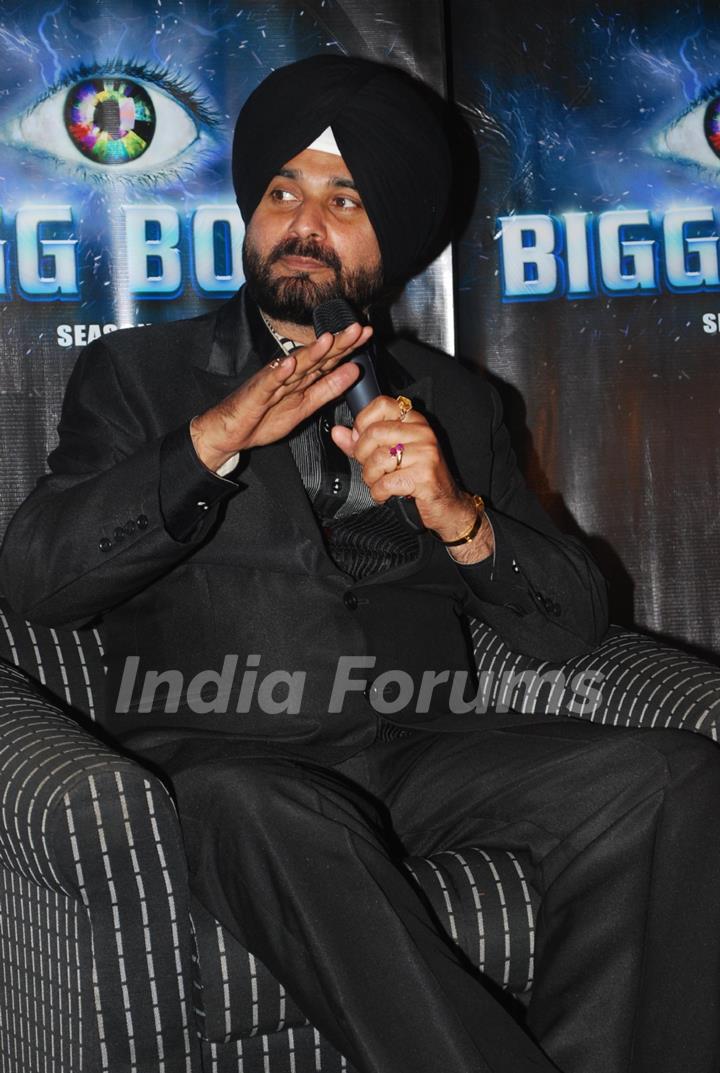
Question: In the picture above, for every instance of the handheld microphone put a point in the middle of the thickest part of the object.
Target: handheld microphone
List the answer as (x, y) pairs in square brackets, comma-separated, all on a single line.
[(334, 316)]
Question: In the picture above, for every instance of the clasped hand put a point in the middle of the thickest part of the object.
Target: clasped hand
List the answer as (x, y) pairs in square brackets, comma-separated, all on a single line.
[(422, 473)]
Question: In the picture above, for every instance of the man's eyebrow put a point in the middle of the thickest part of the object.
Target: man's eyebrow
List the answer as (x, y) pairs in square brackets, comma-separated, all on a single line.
[(348, 184), (334, 180)]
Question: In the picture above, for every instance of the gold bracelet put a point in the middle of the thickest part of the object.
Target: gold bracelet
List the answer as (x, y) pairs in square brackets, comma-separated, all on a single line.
[(474, 529)]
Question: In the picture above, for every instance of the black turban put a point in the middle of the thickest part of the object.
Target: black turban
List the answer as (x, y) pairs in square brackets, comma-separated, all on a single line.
[(389, 130)]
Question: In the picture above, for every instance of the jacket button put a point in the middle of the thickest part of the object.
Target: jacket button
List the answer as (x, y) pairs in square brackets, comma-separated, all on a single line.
[(350, 600), (142, 521), (105, 544), (129, 527), (119, 533)]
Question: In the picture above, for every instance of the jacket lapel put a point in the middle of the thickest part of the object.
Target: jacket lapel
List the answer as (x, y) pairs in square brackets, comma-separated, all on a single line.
[(234, 357)]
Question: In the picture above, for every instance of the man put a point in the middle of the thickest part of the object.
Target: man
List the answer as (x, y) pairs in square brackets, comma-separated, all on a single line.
[(211, 501)]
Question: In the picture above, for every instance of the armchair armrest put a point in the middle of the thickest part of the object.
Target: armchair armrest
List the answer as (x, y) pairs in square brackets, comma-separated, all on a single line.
[(48, 764), (94, 826), (628, 680)]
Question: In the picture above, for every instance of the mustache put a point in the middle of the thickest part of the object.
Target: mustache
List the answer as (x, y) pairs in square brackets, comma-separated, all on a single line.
[(296, 247)]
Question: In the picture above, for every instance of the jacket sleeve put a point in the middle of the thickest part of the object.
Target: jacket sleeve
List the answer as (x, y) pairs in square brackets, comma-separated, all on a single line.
[(542, 591), (118, 509)]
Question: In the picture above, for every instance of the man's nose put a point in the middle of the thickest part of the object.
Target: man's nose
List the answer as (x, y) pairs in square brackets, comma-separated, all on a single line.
[(309, 220)]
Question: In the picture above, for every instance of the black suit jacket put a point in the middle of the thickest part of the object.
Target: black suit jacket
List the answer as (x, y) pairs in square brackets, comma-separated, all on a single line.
[(222, 586)]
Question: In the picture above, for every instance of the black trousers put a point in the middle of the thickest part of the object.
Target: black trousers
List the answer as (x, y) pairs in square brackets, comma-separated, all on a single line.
[(622, 828)]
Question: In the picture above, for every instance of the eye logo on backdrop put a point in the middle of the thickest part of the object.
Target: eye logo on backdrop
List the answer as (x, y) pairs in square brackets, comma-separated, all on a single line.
[(694, 138), (116, 166), (110, 122)]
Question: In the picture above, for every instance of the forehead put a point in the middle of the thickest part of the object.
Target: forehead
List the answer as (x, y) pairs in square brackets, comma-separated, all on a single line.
[(313, 165)]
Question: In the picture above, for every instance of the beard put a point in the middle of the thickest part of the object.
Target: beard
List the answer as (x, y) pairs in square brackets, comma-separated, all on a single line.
[(293, 298)]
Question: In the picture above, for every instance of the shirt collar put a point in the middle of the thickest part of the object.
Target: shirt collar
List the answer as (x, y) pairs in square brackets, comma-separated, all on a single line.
[(286, 344)]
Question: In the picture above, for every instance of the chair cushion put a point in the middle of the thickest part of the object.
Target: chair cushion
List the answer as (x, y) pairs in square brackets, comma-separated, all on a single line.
[(235, 996), (67, 664), (628, 680), (481, 899)]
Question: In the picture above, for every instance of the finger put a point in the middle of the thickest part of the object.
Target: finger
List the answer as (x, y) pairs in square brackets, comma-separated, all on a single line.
[(379, 437), (345, 345), (340, 343), (261, 387), (363, 338), (332, 350), (343, 438), (401, 482), (311, 356), (424, 460), (304, 377), (328, 387), (385, 408), (382, 462)]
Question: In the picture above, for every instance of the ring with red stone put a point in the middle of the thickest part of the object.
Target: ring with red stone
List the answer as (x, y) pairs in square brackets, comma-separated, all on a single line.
[(397, 453)]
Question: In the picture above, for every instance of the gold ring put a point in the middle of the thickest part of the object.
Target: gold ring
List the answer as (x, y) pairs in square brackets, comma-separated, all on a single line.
[(405, 406)]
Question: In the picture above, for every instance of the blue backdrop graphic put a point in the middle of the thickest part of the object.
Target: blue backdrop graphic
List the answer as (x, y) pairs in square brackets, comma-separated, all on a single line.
[(101, 232), (115, 233), (588, 281)]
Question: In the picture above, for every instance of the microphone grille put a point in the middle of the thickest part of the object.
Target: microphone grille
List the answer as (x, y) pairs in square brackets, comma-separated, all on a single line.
[(333, 316)]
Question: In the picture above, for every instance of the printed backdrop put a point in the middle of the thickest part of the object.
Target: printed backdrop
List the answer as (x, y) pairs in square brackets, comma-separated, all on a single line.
[(589, 284), (98, 234)]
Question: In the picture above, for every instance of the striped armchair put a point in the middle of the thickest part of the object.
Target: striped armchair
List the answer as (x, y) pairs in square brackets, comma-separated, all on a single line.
[(107, 963)]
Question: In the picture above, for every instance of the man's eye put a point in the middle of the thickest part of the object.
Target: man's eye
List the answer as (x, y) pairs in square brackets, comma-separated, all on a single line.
[(694, 137), (132, 123), (346, 202), (282, 195)]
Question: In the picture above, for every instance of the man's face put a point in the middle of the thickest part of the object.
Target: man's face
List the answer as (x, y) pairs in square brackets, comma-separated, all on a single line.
[(310, 240)]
